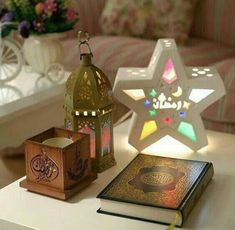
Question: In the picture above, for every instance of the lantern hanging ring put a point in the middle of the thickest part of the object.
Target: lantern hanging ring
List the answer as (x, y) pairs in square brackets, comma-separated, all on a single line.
[(83, 39)]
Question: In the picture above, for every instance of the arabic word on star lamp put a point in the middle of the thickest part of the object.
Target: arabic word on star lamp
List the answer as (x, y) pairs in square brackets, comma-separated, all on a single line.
[(167, 98)]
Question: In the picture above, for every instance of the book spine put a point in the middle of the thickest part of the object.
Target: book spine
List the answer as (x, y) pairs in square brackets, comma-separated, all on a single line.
[(197, 191)]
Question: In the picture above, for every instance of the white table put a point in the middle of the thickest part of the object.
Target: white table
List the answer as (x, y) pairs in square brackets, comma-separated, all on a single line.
[(20, 209), (29, 104)]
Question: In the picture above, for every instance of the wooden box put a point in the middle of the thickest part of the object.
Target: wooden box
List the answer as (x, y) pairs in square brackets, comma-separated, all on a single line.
[(58, 171)]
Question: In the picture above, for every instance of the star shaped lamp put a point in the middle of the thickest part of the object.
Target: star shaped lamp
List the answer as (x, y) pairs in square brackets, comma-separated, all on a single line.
[(167, 98)]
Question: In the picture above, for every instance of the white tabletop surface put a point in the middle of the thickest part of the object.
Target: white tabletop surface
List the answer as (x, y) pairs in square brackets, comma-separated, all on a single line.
[(29, 104), (26, 90), (20, 209)]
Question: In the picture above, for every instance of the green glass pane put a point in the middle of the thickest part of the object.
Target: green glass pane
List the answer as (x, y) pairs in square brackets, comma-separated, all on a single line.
[(152, 112), (187, 130), (153, 93)]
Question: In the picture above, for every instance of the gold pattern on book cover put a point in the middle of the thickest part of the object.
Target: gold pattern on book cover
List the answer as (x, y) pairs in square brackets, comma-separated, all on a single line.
[(155, 181)]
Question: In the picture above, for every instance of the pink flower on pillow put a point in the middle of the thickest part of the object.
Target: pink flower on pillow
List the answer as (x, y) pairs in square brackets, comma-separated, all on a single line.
[(165, 6), (71, 15), (148, 18), (132, 13), (114, 17), (49, 7)]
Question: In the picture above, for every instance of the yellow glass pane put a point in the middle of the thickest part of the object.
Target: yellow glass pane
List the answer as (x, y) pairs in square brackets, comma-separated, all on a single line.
[(149, 128)]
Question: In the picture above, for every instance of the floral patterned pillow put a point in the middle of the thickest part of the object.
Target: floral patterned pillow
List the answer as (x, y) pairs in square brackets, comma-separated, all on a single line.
[(148, 18)]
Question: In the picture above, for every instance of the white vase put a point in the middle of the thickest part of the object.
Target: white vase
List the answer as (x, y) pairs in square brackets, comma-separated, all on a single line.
[(40, 51)]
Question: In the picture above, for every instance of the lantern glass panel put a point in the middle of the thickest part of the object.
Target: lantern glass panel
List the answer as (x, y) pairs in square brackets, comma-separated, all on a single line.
[(89, 128), (68, 124), (106, 140)]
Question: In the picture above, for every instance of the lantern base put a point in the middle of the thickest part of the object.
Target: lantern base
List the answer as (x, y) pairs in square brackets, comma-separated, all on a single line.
[(56, 193), (105, 162)]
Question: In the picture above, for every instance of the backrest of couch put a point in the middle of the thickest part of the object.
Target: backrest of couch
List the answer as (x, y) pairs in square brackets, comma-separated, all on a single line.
[(215, 19), (89, 13)]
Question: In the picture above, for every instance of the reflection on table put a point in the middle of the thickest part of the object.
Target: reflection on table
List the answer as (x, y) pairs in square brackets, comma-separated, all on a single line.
[(27, 83)]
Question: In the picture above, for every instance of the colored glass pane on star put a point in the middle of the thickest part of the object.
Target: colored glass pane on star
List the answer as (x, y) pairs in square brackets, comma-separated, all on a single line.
[(169, 74), (147, 103), (149, 128), (197, 95), (153, 93), (152, 112), (187, 130), (136, 94), (167, 120), (182, 114)]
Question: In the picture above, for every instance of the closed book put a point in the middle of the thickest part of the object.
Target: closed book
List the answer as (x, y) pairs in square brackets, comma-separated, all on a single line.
[(156, 189)]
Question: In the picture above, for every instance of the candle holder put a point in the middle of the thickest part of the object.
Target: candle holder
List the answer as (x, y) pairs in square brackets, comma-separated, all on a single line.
[(55, 170)]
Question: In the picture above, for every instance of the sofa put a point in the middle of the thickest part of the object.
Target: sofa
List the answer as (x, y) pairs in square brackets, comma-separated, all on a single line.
[(211, 43)]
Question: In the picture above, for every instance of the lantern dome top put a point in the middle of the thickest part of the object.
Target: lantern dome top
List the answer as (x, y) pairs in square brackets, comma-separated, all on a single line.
[(87, 88)]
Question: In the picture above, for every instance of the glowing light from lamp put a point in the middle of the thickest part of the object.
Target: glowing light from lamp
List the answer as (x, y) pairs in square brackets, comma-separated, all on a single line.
[(171, 92), (136, 94), (197, 95), (168, 146), (169, 74), (149, 128), (187, 130)]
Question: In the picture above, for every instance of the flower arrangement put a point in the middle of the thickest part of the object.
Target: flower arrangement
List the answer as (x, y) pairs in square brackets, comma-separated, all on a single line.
[(41, 16)]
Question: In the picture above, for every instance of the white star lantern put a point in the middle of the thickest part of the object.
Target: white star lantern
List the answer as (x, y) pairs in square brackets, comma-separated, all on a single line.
[(167, 98)]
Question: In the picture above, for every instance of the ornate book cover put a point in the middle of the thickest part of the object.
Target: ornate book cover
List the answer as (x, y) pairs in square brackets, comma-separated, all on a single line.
[(159, 182)]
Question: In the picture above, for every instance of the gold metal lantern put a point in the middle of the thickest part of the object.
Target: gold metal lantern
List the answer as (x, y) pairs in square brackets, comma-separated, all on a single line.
[(88, 107)]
